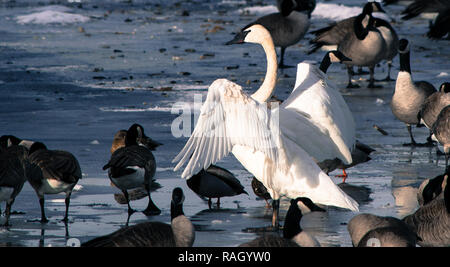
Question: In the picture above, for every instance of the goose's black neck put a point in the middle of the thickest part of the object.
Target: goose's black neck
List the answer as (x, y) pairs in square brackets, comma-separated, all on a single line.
[(292, 222), (130, 138), (361, 31), (404, 62), (176, 210), (326, 62)]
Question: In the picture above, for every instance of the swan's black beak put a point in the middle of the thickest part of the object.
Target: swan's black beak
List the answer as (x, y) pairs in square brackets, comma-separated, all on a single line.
[(239, 38)]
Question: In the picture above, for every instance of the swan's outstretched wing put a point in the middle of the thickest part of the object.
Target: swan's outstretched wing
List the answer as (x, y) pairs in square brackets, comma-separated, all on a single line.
[(315, 95), (228, 117)]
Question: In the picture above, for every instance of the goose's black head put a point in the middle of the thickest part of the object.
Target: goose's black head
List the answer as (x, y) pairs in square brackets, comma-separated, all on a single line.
[(403, 46), (287, 6), (135, 135), (176, 205), (445, 87), (8, 140), (294, 214), (37, 146), (371, 7)]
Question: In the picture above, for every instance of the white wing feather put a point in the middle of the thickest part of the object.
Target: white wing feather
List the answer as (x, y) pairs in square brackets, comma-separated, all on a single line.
[(315, 95), (228, 117)]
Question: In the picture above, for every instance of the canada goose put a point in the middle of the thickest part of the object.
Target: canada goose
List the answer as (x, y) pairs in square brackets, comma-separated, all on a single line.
[(13, 160), (441, 131), (365, 45), (389, 231), (433, 105), (409, 96), (180, 233), (335, 32), (52, 172), (391, 39), (138, 193), (431, 222), (248, 131), (261, 191), (133, 166), (430, 189), (215, 182), (289, 25), (441, 25), (293, 234)]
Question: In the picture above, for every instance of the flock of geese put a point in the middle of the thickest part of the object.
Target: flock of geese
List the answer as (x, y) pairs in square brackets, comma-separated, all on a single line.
[(289, 147)]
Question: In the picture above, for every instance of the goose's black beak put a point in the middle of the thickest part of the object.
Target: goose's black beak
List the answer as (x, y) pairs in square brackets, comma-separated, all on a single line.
[(238, 38)]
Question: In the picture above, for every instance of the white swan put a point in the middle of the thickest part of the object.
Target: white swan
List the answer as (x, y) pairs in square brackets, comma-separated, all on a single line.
[(318, 97), (232, 121)]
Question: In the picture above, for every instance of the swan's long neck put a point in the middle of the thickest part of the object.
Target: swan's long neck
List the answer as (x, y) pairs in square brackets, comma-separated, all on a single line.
[(265, 91)]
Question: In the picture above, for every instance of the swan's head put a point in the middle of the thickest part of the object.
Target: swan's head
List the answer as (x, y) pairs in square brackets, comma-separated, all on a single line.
[(337, 57), (445, 87), (403, 46), (255, 33)]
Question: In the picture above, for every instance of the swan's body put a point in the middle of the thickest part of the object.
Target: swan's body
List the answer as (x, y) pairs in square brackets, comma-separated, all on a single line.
[(231, 121), (318, 97)]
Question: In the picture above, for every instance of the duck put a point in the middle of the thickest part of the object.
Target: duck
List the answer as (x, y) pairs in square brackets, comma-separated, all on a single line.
[(293, 234), (288, 26), (232, 121), (52, 172), (365, 45), (431, 222), (261, 191), (215, 182), (441, 131), (409, 96), (388, 231), (133, 166), (13, 165), (433, 105), (180, 233)]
